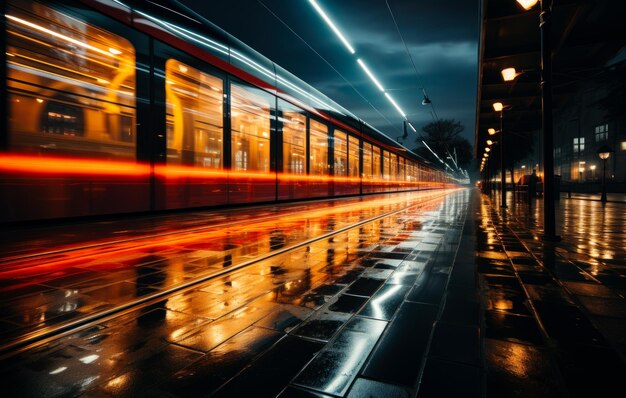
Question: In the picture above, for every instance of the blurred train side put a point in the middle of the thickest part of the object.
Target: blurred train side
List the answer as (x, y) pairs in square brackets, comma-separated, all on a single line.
[(114, 109)]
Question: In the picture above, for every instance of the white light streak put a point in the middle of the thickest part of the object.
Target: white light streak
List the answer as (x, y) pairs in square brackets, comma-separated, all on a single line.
[(332, 26), (371, 75), (412, 128), (395, 105)]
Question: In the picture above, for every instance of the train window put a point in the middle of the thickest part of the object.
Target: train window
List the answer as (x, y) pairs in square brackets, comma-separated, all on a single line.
[(376, 161), (250, 126), (194, 116), (386, 165), (293, 123), (341, 153), (367, 160), (353, 155), (393, 170), (402, 169), (318, 159), (71, 85)]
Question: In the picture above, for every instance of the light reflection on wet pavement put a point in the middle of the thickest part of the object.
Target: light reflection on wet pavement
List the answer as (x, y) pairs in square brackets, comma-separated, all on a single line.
[(312, 314), (555, 313), (47, 290)]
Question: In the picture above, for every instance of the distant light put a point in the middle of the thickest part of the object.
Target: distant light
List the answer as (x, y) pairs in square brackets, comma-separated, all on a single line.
[(491, 131), (489, 142), (114, 51), (332, 26), (412, 128), (527, 4), (487, 149), (509, 74), (395, 105), (497, 106), (485, 155), (370, 74), (183, 69), (39, 100)]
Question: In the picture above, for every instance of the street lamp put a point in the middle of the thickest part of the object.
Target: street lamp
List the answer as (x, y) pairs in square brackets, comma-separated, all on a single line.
[(604, 153), (545, 21)]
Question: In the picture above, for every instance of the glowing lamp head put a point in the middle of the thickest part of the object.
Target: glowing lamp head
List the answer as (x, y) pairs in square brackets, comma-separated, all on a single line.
[(527, 4), (509, 74), (489, 142), (497, 106), (487, 149), (604, 152), (491, 131)]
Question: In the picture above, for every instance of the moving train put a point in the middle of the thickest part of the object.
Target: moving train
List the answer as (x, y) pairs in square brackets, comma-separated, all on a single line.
[(132, 106)]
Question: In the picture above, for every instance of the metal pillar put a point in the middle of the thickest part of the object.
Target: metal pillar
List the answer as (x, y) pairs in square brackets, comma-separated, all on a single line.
[(545, 21)]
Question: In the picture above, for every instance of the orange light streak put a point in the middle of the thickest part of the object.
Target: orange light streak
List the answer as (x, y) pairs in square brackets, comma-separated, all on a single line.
[(92, 257), (71, 166)]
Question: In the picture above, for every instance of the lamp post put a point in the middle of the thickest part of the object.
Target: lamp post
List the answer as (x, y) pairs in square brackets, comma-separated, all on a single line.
[(545, 21), (604, 152), (498, 107)]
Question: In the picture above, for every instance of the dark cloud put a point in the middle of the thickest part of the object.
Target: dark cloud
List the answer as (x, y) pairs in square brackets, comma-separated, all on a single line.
[(441, 37)]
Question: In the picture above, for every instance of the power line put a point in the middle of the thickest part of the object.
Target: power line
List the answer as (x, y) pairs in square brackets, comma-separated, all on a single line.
[(408, 53)]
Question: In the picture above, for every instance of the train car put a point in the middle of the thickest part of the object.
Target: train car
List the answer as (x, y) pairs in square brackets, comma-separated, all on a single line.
[(131, 106)]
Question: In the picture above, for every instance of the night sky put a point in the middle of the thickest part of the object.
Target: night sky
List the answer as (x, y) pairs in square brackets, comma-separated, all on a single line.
[(442, 38)]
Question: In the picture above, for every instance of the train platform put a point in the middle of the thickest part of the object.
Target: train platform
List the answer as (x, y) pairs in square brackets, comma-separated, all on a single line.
[(434, 293)]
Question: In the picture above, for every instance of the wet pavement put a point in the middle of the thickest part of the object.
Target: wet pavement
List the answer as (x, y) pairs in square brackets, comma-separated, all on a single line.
[(555, 312), (77, 272), (435, 295)]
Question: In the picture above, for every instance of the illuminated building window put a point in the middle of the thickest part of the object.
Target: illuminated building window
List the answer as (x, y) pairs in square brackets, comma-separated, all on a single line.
[(353, 157), (579, 144), (367, 160), (318, 159), (194, 116), (70, 85), (293, 123), (250, 128), (623, 145), (602, 132), (341, 153)]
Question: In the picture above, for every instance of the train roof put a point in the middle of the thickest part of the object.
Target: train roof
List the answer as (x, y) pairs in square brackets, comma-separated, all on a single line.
[(180, 21)]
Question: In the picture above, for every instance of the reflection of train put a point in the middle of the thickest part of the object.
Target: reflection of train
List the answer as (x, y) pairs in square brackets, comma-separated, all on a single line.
[(130, 106)]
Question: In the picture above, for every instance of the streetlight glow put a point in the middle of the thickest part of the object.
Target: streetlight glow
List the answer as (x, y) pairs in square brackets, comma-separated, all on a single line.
[(491, 131), (487, 149), (509, 74), (497, 106), (527, 4), (489, 142)]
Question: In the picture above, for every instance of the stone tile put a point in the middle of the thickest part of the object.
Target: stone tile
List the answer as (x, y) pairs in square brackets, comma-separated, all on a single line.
[(449, 379), (397, 357), (455, 343), (520, 370), (515, 328)]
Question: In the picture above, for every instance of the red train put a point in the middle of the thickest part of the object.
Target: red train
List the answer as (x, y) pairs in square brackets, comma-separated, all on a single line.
[(115, 106)]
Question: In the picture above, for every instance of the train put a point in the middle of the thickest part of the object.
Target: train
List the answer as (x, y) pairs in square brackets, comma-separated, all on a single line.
[(115, 107)]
